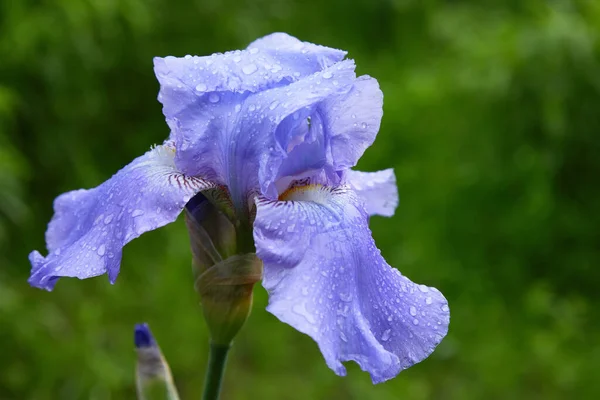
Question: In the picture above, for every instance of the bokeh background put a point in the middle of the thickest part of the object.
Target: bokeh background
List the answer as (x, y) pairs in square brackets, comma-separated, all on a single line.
[(491, 121)]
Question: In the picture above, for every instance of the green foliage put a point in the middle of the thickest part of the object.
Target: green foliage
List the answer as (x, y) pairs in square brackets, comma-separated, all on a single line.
[(491, 121)]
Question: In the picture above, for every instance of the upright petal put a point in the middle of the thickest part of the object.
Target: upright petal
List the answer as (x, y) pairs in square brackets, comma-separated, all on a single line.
[(90, 227), (377, 190), (326, 278), (353, 119), (228, 136), (246, 113)]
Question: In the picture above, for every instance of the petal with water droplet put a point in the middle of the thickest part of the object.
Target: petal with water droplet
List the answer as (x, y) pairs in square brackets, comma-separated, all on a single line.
[(90, 227), (359, 308)]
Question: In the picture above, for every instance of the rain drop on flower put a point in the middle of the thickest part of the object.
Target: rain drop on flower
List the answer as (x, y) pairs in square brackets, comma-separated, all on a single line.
[(249, 69), (386, 335)]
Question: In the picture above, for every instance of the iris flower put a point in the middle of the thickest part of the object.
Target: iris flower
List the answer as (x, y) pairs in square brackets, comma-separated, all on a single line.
[(275, 129)]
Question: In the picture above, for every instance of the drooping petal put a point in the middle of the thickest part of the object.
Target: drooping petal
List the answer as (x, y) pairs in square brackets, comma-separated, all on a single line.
[(326, 278), (377, 190), (90, 227), (234, 113)]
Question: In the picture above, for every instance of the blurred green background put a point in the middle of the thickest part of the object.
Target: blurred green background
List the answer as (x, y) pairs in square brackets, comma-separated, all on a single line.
[(491, 120)]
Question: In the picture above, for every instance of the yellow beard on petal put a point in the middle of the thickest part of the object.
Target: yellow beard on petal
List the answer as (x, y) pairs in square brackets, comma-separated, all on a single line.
[(313, 192)]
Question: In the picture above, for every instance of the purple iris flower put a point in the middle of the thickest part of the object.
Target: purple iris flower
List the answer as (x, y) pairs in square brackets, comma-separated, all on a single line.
[(277, 127)]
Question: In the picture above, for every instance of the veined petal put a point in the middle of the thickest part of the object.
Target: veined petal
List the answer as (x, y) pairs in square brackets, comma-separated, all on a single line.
[(326, 278), (235, 139), (377, 190), (90, 227), (353, 120), (280, 108), (272, 61)]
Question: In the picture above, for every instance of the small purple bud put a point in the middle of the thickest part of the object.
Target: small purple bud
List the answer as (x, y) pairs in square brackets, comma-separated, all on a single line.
[(143, 337)]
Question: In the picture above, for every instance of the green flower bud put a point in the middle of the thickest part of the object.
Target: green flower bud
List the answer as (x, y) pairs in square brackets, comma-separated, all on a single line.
[(225, 270)]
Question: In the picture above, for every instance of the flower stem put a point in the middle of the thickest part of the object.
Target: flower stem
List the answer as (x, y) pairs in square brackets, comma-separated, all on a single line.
[(217, 358)]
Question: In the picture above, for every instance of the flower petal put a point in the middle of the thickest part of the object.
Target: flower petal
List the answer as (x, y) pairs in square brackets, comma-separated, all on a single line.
[(90, 227), (272, 61), (377, 190), (353, 120), (235, 139), (241, 114), (326, 278)]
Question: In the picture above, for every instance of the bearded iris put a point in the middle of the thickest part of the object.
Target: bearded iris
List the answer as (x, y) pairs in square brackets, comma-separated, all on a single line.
[(268, 135)]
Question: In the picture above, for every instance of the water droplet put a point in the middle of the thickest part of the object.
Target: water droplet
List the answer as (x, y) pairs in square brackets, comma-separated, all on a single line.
[(305, 291), (238, 108), (108, 219), (445, 308), (57, 252), (363, 125), (237, 59), (390, 318), (335, 83), (347, 297), (274, 105), (253, 50), (423, 288), (249, 69), (415, 321), (353, 115), (187, 56), (251, 107), (412, 310), (343, 337), (201, 87), (428, 300), (213, 98), (137, 213), (327, 74), (101, 250), (386, 335)]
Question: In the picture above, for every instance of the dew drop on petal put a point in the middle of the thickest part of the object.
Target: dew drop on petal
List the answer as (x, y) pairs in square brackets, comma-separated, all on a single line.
[(249, 69), (274, 105), (386, 335), (238, 108), (137, 213), (213, 98), (415, 321), (101, 250), (108, 219), (428, 300), (423, 288), (363, 125), (413, 311), (201, 87), (445, 308), (347, 297), (327, 74)]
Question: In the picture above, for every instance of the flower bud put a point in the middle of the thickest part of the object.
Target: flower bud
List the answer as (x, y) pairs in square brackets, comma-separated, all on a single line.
[(224, 278), (153, 375)]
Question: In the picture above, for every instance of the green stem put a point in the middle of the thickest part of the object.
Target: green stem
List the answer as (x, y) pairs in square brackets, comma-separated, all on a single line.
[(217, 358)]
